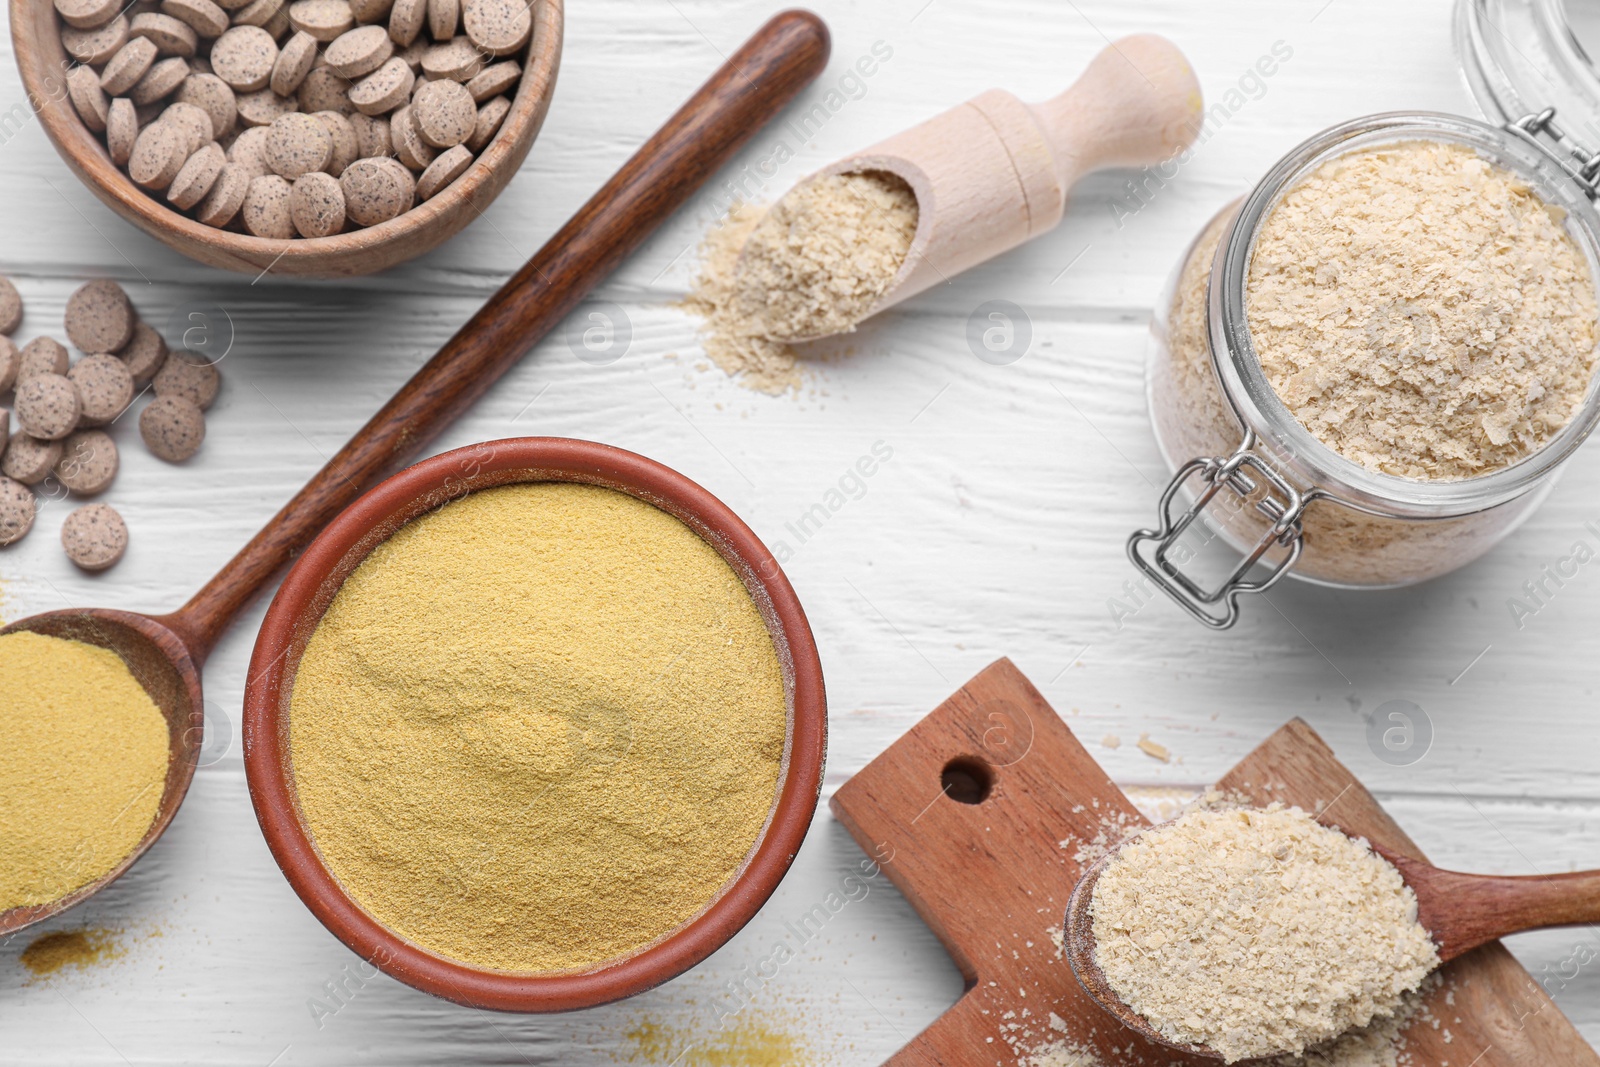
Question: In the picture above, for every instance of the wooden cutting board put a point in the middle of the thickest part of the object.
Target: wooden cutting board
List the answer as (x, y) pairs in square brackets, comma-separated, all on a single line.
[(992, 879)]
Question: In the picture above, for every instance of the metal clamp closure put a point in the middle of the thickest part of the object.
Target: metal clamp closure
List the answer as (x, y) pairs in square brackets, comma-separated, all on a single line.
[(1581, 165), (1249, 481)]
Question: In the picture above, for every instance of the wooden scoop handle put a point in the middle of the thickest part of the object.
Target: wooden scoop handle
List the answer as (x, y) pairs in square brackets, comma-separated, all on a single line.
[(1464, 911), (781, 58)]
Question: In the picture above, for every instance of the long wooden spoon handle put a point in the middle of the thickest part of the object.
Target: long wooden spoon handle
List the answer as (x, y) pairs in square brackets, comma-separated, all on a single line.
[(1464, 911), (748, 90)]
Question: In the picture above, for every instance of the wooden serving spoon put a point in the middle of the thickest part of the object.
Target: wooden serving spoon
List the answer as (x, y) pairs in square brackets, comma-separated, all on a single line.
[(1460, 911), (165, 652), (995, 172)]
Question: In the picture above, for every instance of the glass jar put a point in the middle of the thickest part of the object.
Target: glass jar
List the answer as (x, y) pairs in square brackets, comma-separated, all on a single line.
[(1247, 470)]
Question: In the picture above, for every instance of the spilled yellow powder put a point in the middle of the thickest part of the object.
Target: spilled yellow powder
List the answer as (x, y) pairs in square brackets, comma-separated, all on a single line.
[(83, 758), (750, 1042), (813, 265), (82, 949), (538, 728)]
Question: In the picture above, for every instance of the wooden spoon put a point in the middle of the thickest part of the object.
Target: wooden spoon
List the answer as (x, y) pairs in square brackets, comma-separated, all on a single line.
[(995, 172), (165, 652), (1461, 912)]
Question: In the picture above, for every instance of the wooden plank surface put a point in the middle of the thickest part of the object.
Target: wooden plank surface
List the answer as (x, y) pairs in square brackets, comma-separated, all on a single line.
[(995, 529)]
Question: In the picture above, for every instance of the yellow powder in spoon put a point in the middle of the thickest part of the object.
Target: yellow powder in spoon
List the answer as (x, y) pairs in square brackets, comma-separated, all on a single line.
[(538, 728), (83, 758)]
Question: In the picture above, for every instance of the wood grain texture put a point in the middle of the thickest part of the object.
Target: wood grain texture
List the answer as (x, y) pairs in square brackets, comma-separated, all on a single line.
[(995, 530)]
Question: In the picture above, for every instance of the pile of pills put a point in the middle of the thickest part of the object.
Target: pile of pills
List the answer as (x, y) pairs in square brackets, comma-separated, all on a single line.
[(64, 411), (294, 119)]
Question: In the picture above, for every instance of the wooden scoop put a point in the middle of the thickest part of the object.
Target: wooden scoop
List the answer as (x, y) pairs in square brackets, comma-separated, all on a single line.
[(1461, 912), (165, 652), (995, 172)]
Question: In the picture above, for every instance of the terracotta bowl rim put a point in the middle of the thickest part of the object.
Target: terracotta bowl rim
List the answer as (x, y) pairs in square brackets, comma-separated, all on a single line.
[(299, 605)]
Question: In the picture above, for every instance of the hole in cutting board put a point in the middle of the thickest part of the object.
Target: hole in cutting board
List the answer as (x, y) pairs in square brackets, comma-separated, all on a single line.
[(967, 780)]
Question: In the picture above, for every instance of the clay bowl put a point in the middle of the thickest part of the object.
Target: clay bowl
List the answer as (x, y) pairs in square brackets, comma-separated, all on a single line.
[(36, 37), (311, 586)]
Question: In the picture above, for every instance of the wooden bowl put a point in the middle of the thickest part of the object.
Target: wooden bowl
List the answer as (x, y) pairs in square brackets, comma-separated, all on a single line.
[(311, 586), (36, 37)]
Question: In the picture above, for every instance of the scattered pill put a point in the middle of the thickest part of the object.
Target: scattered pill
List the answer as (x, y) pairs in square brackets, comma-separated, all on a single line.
[(105, 388), (222, 204), (444, 113), (265, 107), (173, 428), (205, 17), (260, 13), (409, 147), (243, 57), (298, 144), (42, 355), (87, 14), (123, 71), (294, 63), (384, 89), (197, 177), (95, 537), (146, 352), (122, 130), (16, 511), (28, 459), (451, 164), (99, 317), (158, 154), (10, 307), (48, 406), (323, 90), (161, 80), (195, 121), (316, 204), (495, 80), (89, 100), (190, 377), (172, 37), (443, 18), (323, 19), (459, 60), (498, 27), (266, 208), (98, 45), (88, 463), (406, 20), (10, 361), (249, 151), (490, 118), (360, 51), (372, 136), (376, 190), (366, 11), (346, 148), (215, 97)]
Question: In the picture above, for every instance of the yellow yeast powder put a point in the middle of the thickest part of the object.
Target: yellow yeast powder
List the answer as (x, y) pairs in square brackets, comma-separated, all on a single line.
[(83, 758), (538, 728)]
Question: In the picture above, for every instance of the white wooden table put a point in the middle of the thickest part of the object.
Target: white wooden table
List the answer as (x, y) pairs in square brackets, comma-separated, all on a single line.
[(996, 529)]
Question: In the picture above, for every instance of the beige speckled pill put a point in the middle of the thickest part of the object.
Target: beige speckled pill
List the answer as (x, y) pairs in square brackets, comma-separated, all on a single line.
[(124, 69), (409, 147), (266, 107), (48, 406), (189, 376), (444, 113), (161, 80), (451, 164), (266, 209), (172, 37), (243, 57), (495, 80), (193, 120), (376, 190), (406, 19), (359, 52), (346, 146), (316, 204), (145, 353), (294, 63), (490, 117), (122, 130), (87, 14), (158, 154), (88, 463), (98, 45), (5, 427), (88, 99), (259, 12), (384, 89), (227, 195), (10, 308), (323, 19), (499, 27), (323, 90), (42, 355), (105, 387), (298, 144), (444, 16), (459, 60), (215, 97), (199, 174), (10, 362), (28, 459), (371, 11), (16, 511), (172, 427), (95, 537), (148, 114), (249, 151), (278, 25), (204, 17), (372, 136), (99, 317)]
